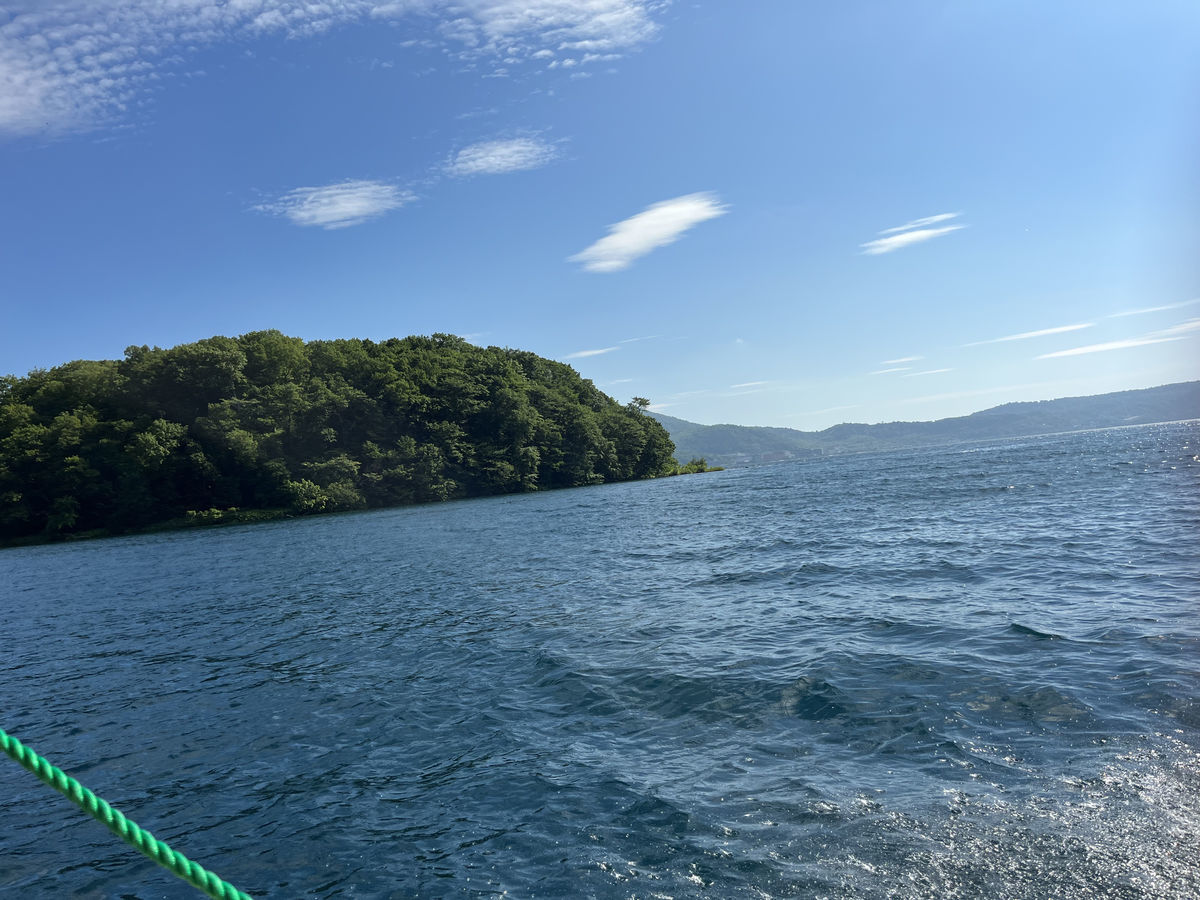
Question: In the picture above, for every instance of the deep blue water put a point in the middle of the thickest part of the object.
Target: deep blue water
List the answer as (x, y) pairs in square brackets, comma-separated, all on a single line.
[(964, 672)]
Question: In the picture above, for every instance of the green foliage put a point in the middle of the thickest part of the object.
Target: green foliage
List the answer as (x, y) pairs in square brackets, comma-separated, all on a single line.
[(695, 466), (233, 429)]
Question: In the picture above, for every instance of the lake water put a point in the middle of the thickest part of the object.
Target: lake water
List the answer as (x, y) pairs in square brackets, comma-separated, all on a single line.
[(964, 672)]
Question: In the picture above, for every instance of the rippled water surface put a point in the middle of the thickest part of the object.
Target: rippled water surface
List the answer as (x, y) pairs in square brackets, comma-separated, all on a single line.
[(966, 672)]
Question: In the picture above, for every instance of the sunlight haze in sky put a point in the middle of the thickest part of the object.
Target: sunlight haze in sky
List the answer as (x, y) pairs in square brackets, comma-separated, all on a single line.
[(773, 213)]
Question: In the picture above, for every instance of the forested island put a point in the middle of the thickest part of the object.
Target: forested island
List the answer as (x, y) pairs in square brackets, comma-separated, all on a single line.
[(263, 425)]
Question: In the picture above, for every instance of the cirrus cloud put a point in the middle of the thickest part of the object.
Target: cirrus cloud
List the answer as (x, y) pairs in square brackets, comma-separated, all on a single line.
[(656, 226), (915, 232), (1026, 335), (906, 239), (337, 205), (1179, 332), (500, 157), (68, 65)]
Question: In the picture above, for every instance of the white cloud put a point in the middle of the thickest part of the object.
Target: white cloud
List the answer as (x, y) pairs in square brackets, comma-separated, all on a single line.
[(920, 223), (928, 372), (748, 384), (337, 205), (1183, 328), (914, 232), (907, 238), (1173, 333), (580, 354), (656, 226), (890, 370), (75, 64), (902, 359), (1060, 329), (501, 157), (1153, 309), (1108, 345), (520, 27)]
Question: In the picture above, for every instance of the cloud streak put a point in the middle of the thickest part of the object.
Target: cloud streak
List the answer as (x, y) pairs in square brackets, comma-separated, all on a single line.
[(501, 157), (915, 232), (581, 354), (1153, 309), (70, 65), (656, 226), (920, 223), (337, 205), (896, 242), (1026, 335), (928, 372), (1106, 346), (1174, 333)]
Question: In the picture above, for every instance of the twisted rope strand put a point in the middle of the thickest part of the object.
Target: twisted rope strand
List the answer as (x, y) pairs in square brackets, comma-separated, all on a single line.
[(128, 831)]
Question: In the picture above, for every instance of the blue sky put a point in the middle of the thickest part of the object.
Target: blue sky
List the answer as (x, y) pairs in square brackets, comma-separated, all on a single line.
[(766, 213)]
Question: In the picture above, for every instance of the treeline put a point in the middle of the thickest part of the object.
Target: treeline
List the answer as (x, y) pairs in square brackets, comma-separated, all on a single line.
[(266, 421)]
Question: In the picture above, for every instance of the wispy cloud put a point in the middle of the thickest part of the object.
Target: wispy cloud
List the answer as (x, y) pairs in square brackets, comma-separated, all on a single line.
[(907, 239), (501, 157), (1153, 309), (1025, 335), (902, 359), (75, 64), (890, 370), (928, 372), (921, 223), (1108, 345), (748, 384), (656, 226), (914, 232), (337, 205), (1174, 333), (1181, 330), (580, 354), (634, 340)]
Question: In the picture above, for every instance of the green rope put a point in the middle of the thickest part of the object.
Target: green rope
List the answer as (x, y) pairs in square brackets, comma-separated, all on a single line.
[(176, 863)]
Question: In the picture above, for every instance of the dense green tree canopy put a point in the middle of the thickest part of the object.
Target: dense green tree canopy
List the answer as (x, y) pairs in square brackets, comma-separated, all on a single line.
[(266, 421)]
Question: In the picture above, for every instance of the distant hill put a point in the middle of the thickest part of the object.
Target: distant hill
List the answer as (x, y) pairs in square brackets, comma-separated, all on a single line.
[(732, 445)]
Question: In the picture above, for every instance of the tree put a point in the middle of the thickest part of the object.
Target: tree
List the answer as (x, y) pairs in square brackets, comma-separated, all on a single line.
[(225, 426)]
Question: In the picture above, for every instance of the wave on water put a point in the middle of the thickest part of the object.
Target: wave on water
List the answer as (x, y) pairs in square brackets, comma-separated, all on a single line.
[(926, 674)]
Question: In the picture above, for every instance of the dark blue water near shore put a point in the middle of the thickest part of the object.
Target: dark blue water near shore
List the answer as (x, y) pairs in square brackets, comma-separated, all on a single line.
[(967, 672)]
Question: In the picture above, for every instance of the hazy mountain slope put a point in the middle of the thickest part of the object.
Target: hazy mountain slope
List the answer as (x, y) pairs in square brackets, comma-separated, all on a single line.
[(721, 444), (740, 444)]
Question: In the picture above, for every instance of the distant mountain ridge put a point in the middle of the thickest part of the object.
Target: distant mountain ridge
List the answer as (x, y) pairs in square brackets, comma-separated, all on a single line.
[(732, 445)]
